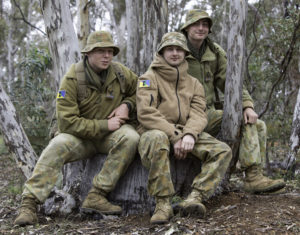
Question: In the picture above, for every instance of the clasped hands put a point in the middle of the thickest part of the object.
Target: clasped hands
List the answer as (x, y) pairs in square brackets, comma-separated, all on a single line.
[(183, 146), (118, 117)]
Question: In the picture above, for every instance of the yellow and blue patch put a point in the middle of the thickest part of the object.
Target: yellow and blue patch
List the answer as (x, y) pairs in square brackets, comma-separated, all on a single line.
[(61, 94), (144, 83)]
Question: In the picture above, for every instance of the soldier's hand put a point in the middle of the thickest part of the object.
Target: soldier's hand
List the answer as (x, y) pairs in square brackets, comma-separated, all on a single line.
[(250, 116), (187, 143), (115, 123), (178, 151), (121, 111)]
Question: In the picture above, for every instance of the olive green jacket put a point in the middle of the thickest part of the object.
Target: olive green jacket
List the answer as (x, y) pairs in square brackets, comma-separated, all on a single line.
[(171, 101), (212, 70), (87, 117)]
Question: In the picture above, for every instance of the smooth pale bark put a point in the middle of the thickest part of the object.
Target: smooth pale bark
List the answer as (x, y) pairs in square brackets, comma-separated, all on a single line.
[(83, 26), (64, 47), (119, 28), (14, 135), (232, 117), (295, 137), (155, 23), (133, 35), (11, 48)]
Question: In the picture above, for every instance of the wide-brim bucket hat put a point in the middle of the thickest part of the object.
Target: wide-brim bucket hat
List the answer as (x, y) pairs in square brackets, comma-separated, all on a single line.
[(100, 39), (193, 16), (173, 39)]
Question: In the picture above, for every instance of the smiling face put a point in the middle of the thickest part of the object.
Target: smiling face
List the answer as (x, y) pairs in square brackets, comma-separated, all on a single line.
[(198, 31), (173, 55), (100, 58)]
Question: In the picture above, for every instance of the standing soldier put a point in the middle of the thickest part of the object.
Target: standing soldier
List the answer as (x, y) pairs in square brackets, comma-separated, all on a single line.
[(207, 63), (171, 111), (94, 102)]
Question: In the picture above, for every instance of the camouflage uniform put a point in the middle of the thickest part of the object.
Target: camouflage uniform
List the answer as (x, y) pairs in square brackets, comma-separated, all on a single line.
[(208, 64), (84, 101), (120, 146), (154, 148), (170, 105), (252, 149)]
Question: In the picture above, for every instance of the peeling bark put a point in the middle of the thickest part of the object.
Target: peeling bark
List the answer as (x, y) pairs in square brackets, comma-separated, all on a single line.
[(14, 135), (63, 42), (232, 117), (133, 38), (295, 138), (83, 26), (155, 24)]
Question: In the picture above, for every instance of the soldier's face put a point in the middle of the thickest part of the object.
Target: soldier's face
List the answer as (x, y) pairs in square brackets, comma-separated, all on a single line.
[(173, 55), (198, 31), (100, 58)]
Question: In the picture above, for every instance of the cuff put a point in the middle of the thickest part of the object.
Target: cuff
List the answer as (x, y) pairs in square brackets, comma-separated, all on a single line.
[(248, 104)]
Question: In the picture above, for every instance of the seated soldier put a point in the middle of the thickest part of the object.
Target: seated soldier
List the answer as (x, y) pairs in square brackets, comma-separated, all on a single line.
[(208, 62), (171, 111), (93, 107)]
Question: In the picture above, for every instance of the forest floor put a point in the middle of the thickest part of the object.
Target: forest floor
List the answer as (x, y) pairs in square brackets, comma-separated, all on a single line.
[(235, 212)]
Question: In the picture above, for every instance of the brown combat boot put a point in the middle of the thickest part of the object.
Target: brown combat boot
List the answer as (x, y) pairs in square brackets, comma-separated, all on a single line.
[(163, 211), (95, 202), (256, 182), (27, 213), (192, 205)]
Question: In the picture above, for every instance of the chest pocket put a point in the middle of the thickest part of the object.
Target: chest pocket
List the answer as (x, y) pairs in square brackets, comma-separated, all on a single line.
[(208, 76)]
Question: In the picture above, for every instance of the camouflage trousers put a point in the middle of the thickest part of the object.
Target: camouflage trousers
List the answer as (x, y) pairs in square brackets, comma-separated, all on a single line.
[(120, 147), (253, 142), (154, 148)]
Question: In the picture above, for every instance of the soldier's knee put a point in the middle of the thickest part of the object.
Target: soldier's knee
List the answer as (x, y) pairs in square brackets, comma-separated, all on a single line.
[(226, 150), (132, 137), (154, 138), (261, 126), (59, 147)]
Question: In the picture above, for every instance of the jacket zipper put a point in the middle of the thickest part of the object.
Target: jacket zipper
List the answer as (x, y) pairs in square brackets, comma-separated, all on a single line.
[(177, 96), (151, 99)]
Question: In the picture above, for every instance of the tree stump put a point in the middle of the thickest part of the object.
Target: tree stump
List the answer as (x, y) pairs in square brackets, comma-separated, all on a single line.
[(130, 192)]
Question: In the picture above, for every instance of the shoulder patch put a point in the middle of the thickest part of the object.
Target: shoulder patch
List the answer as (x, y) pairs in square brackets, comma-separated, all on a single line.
[(144, 83), (61, 94)]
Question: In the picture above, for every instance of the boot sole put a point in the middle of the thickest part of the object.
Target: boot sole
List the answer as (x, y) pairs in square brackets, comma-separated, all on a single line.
[(25, 223), (267, 190), (195, 210), (159, 222), (93, 211)]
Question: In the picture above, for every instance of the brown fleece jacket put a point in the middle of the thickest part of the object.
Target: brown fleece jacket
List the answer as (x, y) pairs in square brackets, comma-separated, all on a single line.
[(170, 100)]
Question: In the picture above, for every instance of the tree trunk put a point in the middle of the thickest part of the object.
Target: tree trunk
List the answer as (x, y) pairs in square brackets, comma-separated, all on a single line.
[(83, 25), (14, 135), (118, 22), (63, 42), (155, 25), (294, 139), (10, 44), (232, 117), (133, 39)]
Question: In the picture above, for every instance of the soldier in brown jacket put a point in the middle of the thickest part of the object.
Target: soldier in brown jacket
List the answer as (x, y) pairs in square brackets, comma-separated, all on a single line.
[(171, 111)]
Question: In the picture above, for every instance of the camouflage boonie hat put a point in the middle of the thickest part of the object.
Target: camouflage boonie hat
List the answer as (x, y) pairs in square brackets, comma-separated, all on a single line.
[(173, 39), (195, 15), (100, 39)]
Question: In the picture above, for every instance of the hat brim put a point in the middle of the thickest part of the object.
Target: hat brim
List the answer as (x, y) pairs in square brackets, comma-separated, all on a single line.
[(188, 23), (91, 47), (166, 44)]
